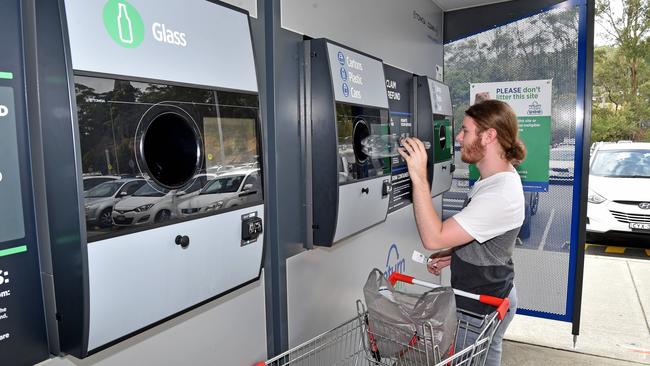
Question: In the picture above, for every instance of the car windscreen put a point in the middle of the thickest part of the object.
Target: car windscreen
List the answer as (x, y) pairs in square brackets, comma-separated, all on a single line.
[(106, 189), (622, 163), (148, 190), (223, 185), (90, 183)]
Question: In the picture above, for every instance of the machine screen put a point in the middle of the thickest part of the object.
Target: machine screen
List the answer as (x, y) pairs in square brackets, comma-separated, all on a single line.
[(154, 154), (354, 123)]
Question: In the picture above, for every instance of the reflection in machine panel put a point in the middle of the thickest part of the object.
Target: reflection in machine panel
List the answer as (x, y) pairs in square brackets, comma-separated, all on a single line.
[(353, 124), (166, 143)]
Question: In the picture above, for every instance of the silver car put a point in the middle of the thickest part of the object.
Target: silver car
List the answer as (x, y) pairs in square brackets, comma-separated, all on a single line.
[(100, 200), (226, 191), (150, 204)]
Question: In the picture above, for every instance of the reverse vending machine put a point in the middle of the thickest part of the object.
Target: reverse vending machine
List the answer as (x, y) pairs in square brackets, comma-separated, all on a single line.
[(23, 335), (348, 189), (434, 123), (151, 135)]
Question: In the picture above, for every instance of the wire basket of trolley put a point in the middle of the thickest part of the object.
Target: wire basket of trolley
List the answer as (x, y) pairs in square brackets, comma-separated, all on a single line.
[(395, 328)]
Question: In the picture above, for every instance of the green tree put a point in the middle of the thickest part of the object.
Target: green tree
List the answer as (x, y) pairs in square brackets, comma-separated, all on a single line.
[(629, 31), (621, 72)]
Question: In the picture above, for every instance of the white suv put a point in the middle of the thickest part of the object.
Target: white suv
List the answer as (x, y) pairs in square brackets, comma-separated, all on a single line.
[(619, 198)]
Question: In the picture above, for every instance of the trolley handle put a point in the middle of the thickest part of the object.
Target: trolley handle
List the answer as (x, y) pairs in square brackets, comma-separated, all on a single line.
[(502, 305)]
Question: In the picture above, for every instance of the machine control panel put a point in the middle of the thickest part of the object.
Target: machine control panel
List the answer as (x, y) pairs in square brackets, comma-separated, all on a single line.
[(386, 188), (399, 87), (251, 228)]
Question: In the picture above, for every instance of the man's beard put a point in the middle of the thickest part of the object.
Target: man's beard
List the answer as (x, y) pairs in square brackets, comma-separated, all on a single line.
[(472, 154)]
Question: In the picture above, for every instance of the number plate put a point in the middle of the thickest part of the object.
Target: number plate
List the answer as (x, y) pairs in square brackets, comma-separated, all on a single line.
[(638, 226)]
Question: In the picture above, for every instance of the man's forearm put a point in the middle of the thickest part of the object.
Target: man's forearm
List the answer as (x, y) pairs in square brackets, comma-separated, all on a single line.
[(426, 218)]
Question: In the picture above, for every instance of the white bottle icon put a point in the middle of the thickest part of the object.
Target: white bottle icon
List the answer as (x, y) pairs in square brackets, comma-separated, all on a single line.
[(124, 24)]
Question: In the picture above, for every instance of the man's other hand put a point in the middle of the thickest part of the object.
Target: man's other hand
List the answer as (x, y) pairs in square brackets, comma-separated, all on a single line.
[(437, 263)]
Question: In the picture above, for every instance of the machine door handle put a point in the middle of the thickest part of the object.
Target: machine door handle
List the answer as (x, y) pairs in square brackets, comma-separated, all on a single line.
[(183, 241), (365, 190)]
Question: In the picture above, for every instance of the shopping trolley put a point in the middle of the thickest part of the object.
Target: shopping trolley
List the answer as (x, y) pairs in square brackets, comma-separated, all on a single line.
[(359, 341)]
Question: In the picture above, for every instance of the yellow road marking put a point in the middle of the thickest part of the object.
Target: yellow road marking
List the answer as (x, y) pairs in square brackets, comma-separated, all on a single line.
[(616, 250), (587, 245)]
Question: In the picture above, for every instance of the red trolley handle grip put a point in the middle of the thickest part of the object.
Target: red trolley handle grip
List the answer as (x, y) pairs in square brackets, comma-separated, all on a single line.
[(502, 305), (399, 277)]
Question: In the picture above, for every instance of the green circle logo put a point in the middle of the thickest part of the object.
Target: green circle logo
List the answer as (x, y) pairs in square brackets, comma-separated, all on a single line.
[(123, 23)]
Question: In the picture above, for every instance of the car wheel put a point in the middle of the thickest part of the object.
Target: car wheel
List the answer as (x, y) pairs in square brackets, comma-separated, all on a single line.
[(105, 218), (163, 215)]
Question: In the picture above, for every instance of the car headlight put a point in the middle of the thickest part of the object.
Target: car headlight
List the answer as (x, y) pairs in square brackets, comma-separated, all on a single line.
[(214, 206), (594, 197), (143, 208)]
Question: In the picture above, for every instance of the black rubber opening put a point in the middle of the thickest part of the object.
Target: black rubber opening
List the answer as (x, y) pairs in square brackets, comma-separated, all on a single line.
[(442, 137), (171, 150), (360, 132)]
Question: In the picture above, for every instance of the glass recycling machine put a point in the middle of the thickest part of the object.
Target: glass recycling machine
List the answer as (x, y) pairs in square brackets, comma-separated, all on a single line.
[(348, 189), (151, 141)]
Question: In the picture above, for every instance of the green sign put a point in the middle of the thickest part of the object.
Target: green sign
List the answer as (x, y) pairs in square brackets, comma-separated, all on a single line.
[(123, 23), (531, 101), (535, 167)]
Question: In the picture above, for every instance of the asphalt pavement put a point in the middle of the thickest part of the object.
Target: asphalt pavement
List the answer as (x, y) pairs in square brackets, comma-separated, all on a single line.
[(614, 329), (551, 224)]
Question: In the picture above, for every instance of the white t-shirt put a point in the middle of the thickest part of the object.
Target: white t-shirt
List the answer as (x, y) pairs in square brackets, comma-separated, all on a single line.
[(496, 206)]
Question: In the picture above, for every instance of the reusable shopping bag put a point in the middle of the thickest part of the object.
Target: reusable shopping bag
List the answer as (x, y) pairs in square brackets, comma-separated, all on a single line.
[(400, 325)]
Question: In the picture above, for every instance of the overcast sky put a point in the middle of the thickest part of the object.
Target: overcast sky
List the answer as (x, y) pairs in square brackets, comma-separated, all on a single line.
[(600, 38)]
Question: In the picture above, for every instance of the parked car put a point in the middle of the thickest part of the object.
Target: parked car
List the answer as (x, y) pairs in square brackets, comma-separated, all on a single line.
[(99, 201), (228, 190), (619, 198), (561, 164), (152, 204), (92, 181)]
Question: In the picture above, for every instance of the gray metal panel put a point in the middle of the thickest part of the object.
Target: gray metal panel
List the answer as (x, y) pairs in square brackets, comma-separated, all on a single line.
[(11, 210), (440, 98), (442, 177), (145, 277), (404, 34), (358, 210), (212, 45), (356, 78), (227, 331), (249, 5), (450, 5), (323, 284)]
